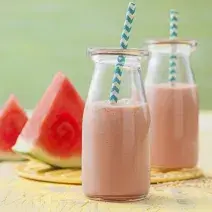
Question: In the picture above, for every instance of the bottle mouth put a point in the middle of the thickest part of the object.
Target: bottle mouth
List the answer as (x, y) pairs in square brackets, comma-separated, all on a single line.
[(118, 52), (160, 42)]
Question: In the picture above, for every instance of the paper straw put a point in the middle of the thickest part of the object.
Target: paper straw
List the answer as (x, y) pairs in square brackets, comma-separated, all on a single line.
[(173, 33), (121, 59)]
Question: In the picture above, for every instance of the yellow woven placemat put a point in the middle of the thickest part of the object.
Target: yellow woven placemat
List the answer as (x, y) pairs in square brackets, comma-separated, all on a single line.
[(35, 170), (10, 156), (162, 176)]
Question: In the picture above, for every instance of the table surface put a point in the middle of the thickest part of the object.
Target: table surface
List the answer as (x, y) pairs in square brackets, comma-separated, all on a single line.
[(17, 194)]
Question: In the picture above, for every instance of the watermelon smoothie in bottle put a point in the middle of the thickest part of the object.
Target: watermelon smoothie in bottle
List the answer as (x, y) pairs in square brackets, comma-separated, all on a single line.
[(115, 145), (174, 107)]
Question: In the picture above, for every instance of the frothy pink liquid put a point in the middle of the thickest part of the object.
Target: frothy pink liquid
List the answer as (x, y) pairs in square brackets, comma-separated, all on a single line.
[(174, 125), (115, 154)]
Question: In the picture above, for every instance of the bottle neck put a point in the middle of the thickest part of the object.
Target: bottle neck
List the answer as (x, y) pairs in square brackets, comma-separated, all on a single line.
[(162, 68)]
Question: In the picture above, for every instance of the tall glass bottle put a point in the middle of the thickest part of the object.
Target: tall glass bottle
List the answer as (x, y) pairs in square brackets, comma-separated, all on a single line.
[(173, 100), (115, 146)]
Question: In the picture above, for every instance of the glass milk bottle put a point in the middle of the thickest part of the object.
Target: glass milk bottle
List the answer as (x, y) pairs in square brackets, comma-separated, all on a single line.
[(115, 146), (173, 101)]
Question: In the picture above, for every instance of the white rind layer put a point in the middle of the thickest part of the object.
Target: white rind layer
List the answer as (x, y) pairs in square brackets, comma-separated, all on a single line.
[(24, 147)]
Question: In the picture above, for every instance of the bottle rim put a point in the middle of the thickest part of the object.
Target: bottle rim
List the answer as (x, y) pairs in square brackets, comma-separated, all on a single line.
[(118, 52), (190, 42)]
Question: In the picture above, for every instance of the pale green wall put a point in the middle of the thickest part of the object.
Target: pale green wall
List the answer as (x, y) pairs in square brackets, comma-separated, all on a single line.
[(38, 38)]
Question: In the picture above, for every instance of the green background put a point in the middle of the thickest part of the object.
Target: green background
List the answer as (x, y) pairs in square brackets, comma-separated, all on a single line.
[(38, 38)]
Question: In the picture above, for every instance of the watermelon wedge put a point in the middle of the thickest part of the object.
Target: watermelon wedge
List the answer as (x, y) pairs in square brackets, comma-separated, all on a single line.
[(53, 134), (12, 120)]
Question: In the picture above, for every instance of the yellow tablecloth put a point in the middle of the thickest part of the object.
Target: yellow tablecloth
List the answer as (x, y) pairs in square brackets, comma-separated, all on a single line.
[(17, 194)]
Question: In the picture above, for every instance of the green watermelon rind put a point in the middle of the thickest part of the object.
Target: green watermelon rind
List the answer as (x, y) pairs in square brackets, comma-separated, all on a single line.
[(28, 150)]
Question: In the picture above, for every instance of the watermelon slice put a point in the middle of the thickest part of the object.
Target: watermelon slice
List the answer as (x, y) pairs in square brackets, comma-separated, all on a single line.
[(53, 134), (12, 120)]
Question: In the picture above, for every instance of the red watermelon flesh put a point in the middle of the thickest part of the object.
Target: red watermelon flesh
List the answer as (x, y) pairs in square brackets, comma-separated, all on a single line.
[(12, 121), (55, 129)]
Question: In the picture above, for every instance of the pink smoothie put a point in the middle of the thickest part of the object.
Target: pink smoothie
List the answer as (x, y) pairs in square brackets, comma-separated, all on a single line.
[(115, 154), (174, 125)]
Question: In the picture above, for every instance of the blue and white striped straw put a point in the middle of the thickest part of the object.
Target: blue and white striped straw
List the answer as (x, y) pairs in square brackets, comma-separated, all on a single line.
[(121, 59), (173, 33)]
